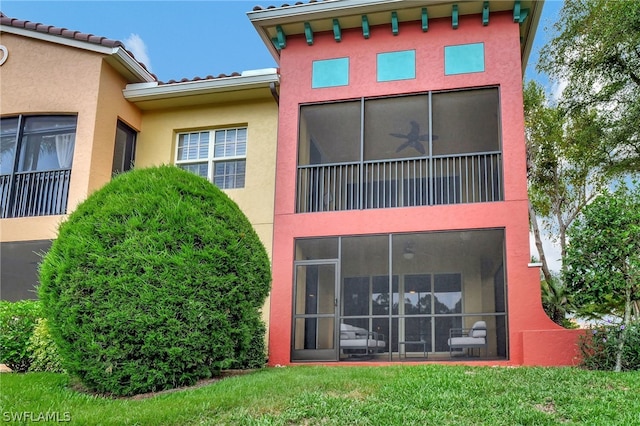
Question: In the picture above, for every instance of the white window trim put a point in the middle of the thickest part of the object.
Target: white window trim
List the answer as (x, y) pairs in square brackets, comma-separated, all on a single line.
[(211, 160)]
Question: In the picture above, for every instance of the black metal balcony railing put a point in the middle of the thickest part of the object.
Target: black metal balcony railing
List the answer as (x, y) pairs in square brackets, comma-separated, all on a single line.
[(466, 178), (35, 193)]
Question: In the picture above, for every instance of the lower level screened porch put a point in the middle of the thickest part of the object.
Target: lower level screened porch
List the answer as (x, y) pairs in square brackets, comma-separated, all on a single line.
[(397, 297)]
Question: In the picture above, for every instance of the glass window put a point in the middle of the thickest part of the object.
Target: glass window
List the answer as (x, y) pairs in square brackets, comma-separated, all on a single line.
[(447, 293), (356, 296), (36, 154), (229, 174), (230, 143), (124, 149), (223, 162), (380, 295), (8, 143), (47, 143), (417, 294), (193, 146)]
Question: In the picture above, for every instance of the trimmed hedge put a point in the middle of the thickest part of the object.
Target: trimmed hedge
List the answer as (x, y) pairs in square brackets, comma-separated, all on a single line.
[(17, 321), (155, 281)]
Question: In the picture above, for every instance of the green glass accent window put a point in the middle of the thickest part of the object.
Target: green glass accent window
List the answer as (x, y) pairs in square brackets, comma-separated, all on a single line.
[(330, 73), (464, 58), (397, 65)]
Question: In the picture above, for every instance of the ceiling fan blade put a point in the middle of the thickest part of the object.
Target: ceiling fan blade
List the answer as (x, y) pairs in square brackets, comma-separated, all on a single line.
[(398, 135), (403, 146)]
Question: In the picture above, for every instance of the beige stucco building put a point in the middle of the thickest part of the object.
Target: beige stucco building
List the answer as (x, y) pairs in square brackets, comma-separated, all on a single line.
[(77, 109)]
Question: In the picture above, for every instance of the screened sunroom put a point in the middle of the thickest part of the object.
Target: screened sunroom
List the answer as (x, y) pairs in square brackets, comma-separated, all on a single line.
[(411, 150), (399, 296)]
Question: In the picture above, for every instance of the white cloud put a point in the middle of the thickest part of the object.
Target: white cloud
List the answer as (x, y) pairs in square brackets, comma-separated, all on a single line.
[(557, 88), (137, 46)]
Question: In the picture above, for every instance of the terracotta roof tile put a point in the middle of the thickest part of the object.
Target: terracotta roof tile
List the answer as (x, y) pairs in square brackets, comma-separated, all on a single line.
[(90, 38), (209, 77), (62, 32), (298, 3)]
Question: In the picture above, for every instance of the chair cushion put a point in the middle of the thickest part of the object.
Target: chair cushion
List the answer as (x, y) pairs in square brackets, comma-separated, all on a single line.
[(466, 341), (479, 329)]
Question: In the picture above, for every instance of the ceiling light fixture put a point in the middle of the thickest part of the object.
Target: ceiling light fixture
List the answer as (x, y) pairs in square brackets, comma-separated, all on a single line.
[(408, 252)]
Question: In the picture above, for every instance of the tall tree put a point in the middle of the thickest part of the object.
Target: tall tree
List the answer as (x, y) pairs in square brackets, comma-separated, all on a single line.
[(596, 51), (602, 264), (563, 171)]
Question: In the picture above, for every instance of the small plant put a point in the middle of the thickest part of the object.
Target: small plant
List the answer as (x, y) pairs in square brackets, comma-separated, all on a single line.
[(600, 345), (43, 350), (17, 320)]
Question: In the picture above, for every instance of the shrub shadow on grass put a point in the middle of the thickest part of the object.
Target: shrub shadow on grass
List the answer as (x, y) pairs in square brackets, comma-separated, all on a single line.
[(77, 386)]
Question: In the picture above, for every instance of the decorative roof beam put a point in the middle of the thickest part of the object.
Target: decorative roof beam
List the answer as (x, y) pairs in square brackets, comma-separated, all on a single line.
[(337, 34), (454, 16), (365, 26), (308, 33), (524, 13), (485, 13), (425, 20), (281, 38), (516, 11), (394, 23)]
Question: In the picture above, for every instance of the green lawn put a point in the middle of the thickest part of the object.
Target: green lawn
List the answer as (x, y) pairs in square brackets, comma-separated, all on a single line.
[(394, 395)]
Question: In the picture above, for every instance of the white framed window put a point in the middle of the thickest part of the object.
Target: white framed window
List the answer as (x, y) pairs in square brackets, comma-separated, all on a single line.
[(218, 155)]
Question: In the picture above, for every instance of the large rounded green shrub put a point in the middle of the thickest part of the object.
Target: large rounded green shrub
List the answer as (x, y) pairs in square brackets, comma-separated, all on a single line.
[(154, 282)]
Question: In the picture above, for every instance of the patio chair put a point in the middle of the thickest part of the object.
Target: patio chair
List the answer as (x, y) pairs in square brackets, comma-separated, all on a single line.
[(472, 338), (359, 341)]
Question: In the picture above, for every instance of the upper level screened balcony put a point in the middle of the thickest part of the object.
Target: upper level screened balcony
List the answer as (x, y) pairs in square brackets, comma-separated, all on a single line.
[(418, 150)]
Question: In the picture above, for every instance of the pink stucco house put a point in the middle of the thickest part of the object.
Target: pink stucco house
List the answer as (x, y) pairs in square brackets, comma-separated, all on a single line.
[(401, 191)]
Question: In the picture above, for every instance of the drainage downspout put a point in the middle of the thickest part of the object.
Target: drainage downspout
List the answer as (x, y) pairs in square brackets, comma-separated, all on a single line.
[(274, 92)]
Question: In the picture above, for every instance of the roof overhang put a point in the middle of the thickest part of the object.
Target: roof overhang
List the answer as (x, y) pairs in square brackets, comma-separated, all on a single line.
[(117, 57), (249, 85), (320, 16)]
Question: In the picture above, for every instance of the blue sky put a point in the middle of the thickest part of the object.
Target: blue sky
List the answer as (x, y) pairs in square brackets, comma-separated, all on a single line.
[(181, 38), (185, 39)]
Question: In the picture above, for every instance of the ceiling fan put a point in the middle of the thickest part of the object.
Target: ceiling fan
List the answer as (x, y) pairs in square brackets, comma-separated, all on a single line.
[(413, 138)]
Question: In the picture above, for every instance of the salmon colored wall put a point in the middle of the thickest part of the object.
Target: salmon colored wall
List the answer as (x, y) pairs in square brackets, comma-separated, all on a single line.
[(551, 347), (64, 80), (502, 68)]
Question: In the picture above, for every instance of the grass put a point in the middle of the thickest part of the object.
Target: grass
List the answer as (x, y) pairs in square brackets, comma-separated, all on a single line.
[(310, 395)]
